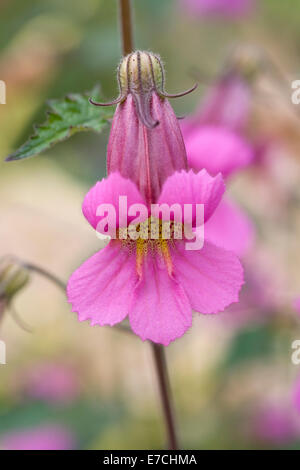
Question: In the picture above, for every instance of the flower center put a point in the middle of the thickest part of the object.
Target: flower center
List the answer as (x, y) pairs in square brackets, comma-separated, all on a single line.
[(152, 236)]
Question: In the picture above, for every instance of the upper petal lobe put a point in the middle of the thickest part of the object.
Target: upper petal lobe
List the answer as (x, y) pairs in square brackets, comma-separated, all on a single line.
[(108, 191), (191, 188)]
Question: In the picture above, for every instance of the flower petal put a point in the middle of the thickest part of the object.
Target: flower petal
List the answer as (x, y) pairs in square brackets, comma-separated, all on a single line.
[(211, 277), (230, 228), (101, 288), (108, 191), (161, 311), (217, 149), (191, 188)]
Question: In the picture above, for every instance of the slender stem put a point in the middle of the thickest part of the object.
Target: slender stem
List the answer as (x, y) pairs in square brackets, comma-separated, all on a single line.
[(19, 321), (62, 285), (126, 26), (165, 394), (51, 277)]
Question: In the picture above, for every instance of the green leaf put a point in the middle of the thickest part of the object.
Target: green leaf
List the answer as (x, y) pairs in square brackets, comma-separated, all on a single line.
[(65, 117)]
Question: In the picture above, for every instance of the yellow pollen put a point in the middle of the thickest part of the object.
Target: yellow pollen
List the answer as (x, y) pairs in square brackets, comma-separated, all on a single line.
[(151, 236)]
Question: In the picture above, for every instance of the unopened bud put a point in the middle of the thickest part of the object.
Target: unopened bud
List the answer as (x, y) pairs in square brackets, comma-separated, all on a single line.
[(141, 72), (13, 277)]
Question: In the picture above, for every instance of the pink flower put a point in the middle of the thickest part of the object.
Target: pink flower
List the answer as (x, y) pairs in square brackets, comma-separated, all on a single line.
[(218, 149), (156, 282), (230, 102), (296, 304), (227, 104), (41, 438), (275, 425), (296, 395), (52, 382), (145, 142), (227, 8)]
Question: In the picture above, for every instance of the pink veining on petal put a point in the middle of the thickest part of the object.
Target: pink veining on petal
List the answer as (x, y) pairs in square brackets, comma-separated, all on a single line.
[(146, 156), (49, 437), (101, 288), (211, 277), (230, 228), (193, 188), (161, 311), (217, 149)]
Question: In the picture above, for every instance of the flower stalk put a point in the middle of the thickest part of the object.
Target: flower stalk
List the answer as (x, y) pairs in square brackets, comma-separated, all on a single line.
[(165, 394), (46, 274), (126, 26)]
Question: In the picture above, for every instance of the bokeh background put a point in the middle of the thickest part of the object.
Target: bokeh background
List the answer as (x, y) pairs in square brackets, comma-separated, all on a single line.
[(69, 385)]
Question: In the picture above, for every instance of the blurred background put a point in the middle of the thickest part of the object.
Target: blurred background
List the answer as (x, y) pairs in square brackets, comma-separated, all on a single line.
[(69, 385)]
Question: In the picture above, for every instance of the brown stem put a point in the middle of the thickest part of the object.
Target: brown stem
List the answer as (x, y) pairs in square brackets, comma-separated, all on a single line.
[(165, 394), (126, 26)]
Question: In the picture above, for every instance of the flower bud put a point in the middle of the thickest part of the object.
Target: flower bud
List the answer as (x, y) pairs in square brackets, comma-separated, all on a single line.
[(140, 72), (13, 277), (229, 102), (145, 142)]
